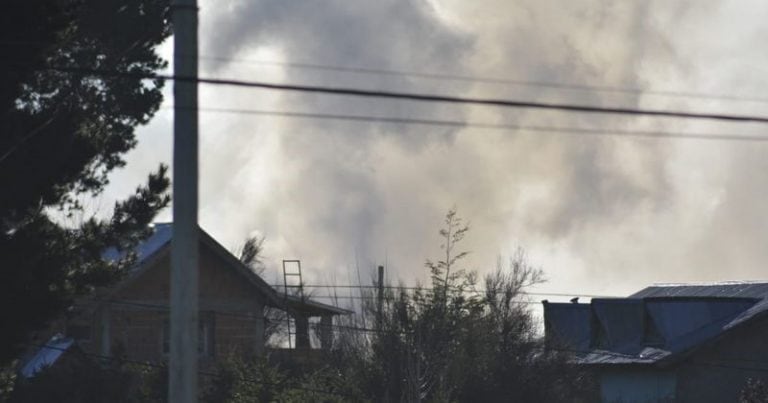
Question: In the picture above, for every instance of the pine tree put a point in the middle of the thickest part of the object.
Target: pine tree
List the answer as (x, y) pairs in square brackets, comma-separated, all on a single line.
[(61, 133)]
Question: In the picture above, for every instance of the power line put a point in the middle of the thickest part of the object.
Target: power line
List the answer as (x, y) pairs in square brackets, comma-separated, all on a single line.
[(416, 97), (491, 126), (487, 80), (243, 315), (390, 287), (464, 78), (372, 297)]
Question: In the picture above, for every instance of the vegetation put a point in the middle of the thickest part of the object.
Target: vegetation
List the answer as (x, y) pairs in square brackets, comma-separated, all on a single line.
[(755, 391), (456, 341), (80, 379), (63, 132), (237, 380)]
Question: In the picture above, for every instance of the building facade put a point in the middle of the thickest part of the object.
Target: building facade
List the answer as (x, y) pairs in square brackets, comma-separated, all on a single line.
[(131, 319)]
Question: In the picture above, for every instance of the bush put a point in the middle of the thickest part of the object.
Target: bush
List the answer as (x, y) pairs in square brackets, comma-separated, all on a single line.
[(456, 342)]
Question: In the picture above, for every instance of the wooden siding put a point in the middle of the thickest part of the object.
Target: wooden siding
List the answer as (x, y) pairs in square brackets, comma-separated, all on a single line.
[(139, 310)]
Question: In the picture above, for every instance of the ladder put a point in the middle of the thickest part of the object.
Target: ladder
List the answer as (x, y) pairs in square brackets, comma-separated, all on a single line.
[(293, 285)]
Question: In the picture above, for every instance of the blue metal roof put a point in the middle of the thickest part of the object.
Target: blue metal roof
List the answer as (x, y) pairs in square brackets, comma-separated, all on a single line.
[(727, 289), (754, 290), (161, 236), (675, 318), (568, 325), (46, 355), (658, 322), (620, 323)]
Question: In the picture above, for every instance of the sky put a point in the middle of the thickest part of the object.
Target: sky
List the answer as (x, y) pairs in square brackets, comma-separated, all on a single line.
[(603, 215)]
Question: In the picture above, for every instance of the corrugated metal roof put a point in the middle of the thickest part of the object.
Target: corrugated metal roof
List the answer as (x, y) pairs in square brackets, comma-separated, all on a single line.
[(756, 290), (46, 356), (621, 323), (647, 355), (727, 289), (676, 317), (568, 325), (681, 317), (161, 235)]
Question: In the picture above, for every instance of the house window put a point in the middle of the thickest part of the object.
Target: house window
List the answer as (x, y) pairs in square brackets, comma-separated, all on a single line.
[(205, 342)]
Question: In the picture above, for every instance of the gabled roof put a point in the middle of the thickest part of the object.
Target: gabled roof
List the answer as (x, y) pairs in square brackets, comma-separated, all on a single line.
[(159, 243), (659, 323)]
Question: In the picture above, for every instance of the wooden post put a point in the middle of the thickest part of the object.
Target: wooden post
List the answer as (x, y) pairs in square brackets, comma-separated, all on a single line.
[(302, 331), (380, 298), (182, 385), (259, 341), (326, 331)]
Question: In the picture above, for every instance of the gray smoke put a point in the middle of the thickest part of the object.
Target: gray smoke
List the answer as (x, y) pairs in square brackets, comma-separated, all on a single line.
[(601, 214)]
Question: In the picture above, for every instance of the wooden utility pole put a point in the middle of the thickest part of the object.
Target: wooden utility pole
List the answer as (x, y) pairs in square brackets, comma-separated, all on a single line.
[(380, 298), (380, 322), (182, 385)]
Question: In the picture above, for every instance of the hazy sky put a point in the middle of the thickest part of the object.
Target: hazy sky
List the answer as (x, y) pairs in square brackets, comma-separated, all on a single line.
[(600, 214)]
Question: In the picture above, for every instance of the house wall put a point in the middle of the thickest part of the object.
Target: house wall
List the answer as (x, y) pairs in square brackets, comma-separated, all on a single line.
[(718, 372), (138, 315), (235, 335), (636, 385), (136, 334)]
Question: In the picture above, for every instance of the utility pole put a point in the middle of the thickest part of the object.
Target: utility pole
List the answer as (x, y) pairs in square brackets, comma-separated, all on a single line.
[(380, 299), (182, 385), (379, 323)]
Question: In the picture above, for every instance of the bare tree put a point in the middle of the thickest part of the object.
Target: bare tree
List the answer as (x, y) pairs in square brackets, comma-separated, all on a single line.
[(251, 253)]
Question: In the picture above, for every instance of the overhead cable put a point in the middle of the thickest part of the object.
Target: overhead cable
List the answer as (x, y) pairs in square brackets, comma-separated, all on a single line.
[(417, 97)]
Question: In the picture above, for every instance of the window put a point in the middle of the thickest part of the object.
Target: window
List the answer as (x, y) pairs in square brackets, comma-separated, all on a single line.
[(205, 342)]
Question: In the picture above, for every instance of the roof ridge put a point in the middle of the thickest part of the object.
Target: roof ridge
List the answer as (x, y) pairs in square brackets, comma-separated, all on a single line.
[(713, 283)]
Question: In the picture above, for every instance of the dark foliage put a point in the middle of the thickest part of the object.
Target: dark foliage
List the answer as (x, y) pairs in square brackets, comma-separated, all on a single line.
[(60, 136), (755, 391), (238, 379), (79, 379), (241, 379)]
